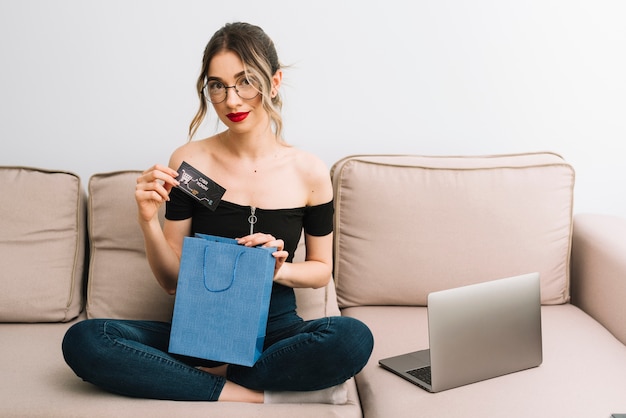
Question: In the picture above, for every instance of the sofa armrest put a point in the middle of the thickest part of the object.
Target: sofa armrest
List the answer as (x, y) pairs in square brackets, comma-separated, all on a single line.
[(598, 270)]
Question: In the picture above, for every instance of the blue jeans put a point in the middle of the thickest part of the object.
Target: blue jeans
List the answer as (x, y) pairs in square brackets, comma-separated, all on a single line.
[(130, 358)]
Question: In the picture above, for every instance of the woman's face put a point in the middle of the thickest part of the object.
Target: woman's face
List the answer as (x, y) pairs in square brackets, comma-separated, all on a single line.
[(241, 110)]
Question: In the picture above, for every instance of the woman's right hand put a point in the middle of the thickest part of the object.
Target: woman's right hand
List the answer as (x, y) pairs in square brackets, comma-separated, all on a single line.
[(153, 188)]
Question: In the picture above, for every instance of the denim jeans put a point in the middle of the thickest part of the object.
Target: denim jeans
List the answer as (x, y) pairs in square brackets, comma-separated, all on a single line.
[(130, 358)]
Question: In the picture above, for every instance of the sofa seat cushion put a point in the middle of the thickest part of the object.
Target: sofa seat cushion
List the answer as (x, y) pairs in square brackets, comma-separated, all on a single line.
[(36, 382), (581, 361), (42, 245), (406, 226)]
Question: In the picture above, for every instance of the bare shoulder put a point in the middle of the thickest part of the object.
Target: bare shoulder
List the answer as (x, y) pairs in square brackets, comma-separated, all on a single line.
[(315, 174), (190, 152), (310, 163)]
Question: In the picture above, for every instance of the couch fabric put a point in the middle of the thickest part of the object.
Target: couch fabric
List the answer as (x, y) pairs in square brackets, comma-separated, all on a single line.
[(451, 221), (598, 251), (404, 226), (42, 245), (117, 254)]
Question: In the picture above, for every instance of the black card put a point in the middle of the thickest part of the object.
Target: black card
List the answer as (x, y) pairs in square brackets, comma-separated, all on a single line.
[(199, 186)]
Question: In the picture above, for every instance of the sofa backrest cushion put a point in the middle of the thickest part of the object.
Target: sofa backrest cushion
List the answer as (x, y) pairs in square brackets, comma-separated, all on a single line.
[(42, 245), (406, 226), (121, 284)]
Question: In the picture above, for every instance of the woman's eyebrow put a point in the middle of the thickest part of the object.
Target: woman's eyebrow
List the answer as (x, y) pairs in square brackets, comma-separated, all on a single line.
[(237, 76)]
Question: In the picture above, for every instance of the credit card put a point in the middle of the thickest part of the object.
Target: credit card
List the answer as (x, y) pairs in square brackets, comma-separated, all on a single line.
[(199, 186)]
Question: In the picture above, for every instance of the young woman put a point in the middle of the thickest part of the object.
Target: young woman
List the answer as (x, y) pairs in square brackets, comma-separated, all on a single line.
[(273, 192)]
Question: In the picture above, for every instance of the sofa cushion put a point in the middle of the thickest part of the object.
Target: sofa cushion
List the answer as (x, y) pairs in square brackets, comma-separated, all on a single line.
[(554, 389), (406, 226), (42, 244), (121, 284), (36, 382)]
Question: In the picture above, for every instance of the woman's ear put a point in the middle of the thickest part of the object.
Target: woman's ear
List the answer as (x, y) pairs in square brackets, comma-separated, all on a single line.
[(277, 79)]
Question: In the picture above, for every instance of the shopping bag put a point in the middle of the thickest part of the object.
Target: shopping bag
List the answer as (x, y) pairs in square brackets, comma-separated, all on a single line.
[(222, 300)]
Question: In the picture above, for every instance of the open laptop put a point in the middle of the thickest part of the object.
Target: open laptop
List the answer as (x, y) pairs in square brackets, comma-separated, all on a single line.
[(476, 332)]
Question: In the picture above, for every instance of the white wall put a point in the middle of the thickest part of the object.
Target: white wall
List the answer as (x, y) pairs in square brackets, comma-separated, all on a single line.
[(92, 86)]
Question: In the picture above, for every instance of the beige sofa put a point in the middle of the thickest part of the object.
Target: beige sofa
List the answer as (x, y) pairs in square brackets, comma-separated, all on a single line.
[(404, 226)]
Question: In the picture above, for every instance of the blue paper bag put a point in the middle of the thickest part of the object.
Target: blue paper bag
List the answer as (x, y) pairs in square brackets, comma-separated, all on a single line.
[(222, 300)]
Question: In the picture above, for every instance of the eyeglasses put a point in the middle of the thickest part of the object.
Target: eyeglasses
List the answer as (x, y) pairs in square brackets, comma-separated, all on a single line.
[(246, 88)]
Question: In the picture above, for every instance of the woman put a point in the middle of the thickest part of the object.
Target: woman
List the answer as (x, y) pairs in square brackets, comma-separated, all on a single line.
[(285, 190)]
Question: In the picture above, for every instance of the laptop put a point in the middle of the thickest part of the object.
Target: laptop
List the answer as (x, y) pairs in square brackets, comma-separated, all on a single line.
[(475, 333)]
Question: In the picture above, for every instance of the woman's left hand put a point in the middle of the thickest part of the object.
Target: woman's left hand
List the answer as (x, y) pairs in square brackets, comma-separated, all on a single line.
[(267, 240)]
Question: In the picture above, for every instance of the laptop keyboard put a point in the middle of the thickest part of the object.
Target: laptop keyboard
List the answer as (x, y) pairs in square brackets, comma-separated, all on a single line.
[(422, 373)]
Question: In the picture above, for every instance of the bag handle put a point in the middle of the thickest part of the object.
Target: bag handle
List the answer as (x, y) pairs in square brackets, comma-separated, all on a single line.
[(219, 285)]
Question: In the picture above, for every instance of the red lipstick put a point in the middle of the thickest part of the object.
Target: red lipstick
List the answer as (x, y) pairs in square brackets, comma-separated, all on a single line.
[(237, 117)]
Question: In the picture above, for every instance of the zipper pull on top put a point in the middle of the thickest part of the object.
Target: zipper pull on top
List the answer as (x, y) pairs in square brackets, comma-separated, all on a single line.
[(252, 219)]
